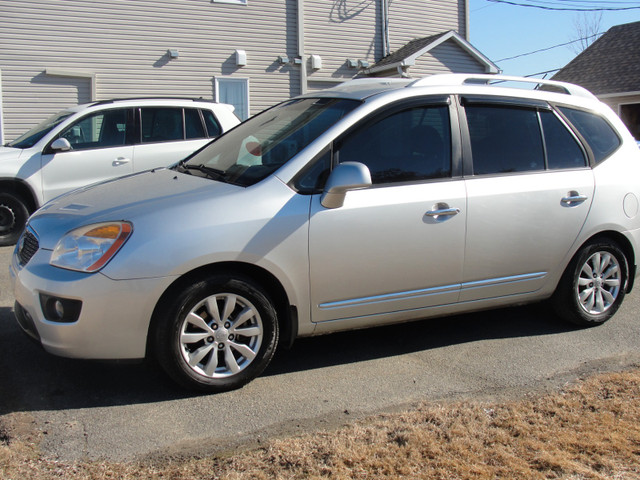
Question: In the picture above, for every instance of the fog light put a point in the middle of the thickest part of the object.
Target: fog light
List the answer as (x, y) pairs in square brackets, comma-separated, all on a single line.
[(58, 309)]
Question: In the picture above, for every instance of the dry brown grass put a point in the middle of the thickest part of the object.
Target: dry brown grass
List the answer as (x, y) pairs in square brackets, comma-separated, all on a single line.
[(590, 430)]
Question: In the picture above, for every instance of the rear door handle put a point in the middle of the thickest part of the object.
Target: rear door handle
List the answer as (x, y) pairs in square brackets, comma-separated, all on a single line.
[(120, 161), (573, 198)]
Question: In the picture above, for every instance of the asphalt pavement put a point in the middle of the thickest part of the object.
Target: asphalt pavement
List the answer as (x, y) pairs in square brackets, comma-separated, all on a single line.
[(116, 411)]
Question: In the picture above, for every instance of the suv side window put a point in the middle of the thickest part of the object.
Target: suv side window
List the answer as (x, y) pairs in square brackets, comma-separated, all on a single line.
[(161, 124), (504, 139), (413, 144), (563, 150), (596, 131), (213, 127), (193, 127), (107, 128)]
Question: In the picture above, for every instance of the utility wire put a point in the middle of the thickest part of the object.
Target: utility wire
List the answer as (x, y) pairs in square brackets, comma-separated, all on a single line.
[(577, 8), (548, 48)]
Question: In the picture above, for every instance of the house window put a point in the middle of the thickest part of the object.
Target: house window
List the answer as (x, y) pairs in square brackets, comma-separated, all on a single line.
[(236, 2), (234, 91)]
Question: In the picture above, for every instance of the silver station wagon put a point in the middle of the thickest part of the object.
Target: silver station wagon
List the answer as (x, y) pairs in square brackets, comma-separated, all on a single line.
[(378, 201)]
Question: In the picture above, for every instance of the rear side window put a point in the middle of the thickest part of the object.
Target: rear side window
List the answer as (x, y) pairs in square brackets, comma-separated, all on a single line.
[(213, 127), (162, 124), (597, 132), (193, 127), (563, 150), (504, 139)]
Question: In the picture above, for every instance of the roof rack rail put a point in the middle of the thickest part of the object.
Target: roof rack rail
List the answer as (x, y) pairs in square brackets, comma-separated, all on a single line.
[(112, 100), (464, 78)]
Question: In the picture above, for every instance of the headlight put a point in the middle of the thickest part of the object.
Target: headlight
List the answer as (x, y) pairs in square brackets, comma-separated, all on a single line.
[(89, 248)]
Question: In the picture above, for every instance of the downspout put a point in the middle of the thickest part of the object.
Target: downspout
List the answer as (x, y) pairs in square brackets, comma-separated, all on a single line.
[(384, 7), (1, 119), (301, 55), (466, 20)]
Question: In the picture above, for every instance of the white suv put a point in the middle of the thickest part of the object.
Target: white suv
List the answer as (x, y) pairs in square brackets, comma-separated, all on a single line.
[(97, 141)]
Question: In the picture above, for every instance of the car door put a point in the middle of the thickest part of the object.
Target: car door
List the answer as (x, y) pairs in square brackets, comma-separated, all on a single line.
[(101, 149), (398, 245), (529, 191), (168, 134)]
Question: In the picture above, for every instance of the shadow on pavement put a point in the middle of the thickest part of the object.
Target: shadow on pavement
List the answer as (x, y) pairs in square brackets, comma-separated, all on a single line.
[(31, 379)]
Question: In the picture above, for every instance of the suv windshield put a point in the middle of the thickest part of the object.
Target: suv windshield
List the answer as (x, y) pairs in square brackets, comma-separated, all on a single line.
[(30, 138), (262, 144)]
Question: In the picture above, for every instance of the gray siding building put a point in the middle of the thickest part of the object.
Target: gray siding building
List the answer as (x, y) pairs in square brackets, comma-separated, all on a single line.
[(251, 53)]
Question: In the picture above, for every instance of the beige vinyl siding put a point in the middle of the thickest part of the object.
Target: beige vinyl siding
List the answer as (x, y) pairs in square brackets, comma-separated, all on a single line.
[(411, 19), (340, 30), (352, 29), (125, 43), (447, 57)]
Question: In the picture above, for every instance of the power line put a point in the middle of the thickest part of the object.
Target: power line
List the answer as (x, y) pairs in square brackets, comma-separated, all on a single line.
[(581, 7), (548, 48)]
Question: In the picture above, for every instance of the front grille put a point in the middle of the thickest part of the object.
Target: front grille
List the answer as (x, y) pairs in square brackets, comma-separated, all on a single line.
[(28, 246)]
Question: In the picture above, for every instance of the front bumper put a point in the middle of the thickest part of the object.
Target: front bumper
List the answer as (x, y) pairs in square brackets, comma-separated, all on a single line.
[(115, 315)]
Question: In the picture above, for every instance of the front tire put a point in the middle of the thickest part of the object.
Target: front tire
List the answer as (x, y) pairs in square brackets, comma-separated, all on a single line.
[(593, 286), (217, 334), (13, 218)]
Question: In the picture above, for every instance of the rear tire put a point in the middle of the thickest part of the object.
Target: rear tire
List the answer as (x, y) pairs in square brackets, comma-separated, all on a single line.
[(13, 218), (217, 334), (593, 285)]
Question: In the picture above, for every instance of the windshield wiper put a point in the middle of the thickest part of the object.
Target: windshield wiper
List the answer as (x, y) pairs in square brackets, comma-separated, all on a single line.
[(210, 172)]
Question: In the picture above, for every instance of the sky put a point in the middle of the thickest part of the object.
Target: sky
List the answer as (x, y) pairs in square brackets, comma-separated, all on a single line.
[(501, 30)]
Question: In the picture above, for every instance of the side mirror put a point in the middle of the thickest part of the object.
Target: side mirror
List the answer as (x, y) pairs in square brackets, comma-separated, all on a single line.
[(346, 176), (60, 145)]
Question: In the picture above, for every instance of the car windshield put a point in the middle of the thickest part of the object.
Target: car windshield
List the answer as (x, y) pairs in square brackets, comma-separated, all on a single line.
[(30, 138), (259, 146)]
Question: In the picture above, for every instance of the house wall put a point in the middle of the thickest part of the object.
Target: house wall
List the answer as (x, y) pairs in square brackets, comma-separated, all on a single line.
[(60, 53), (447, 57), (411, 19), (628, 109), (125, 42), (339, 30)]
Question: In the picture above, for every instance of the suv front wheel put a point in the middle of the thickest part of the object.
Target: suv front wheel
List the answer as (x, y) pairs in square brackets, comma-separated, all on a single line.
[(217, 334), (13, 217)]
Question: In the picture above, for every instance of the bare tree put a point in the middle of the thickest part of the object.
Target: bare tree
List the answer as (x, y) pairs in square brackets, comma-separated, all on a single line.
[(587, 29)]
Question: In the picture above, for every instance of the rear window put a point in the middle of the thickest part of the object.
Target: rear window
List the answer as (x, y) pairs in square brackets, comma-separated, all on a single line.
[(597, 132)]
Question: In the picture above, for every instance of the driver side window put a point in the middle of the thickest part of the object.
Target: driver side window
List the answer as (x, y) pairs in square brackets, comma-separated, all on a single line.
[(107, 128), (410, 145)]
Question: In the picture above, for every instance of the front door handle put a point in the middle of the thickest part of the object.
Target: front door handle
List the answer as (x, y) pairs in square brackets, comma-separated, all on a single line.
[(573, 198), (442, 211), (120, 161)]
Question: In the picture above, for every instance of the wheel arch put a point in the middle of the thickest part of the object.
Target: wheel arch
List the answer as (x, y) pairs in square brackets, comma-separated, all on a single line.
[(287, 313), (627, 248), (22, 189)]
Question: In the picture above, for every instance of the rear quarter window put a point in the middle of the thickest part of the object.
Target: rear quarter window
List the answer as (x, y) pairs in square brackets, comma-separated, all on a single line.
[(596, 131)]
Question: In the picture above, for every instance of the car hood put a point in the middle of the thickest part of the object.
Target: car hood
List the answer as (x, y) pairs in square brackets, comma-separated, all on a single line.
[(9, 153), (157, 192)]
